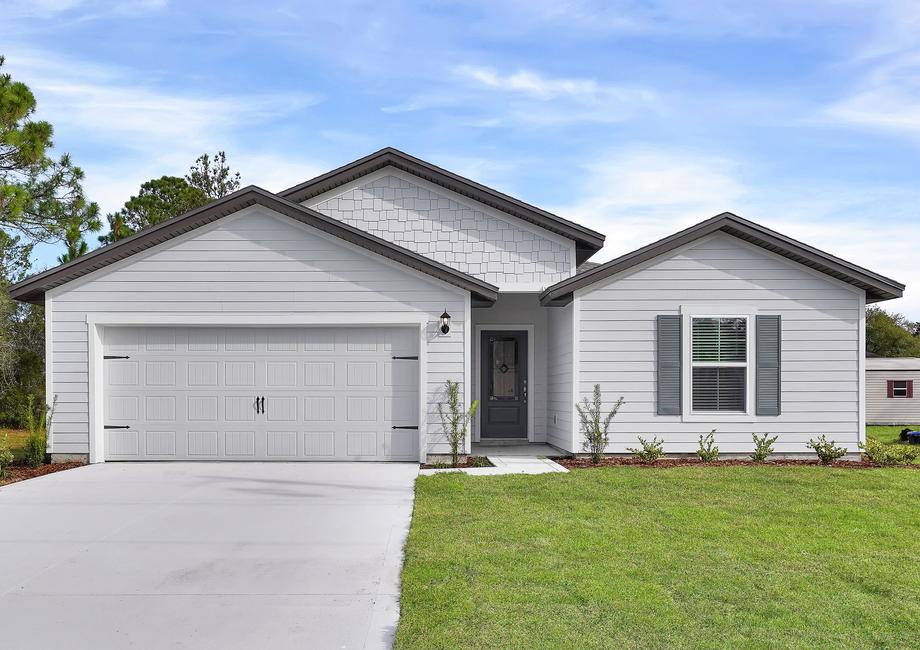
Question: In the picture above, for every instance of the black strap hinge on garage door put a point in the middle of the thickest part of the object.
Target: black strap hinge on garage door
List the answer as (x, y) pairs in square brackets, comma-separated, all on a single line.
[(416, 428), (112, 356), (415, 358), (115, 426)]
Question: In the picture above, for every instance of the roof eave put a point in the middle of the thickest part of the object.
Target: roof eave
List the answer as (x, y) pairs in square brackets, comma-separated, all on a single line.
[(33, 289), (588, 241), (877, 287)]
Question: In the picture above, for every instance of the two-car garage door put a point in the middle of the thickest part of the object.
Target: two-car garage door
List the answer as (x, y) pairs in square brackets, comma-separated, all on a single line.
[(261, 393)]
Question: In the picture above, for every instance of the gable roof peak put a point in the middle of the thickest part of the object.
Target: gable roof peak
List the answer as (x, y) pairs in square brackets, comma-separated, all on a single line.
[(33, 288), (587, 241), (877, 286)]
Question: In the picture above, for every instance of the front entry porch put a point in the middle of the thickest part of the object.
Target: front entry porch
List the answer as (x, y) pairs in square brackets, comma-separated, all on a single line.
[(516, 448)]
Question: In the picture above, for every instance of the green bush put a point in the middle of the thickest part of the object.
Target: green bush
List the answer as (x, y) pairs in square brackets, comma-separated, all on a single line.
[(763, 447), (708, 452), (595, 424), (827, 452), (37, 422), (650, 451), (879, 452), (6, 455)]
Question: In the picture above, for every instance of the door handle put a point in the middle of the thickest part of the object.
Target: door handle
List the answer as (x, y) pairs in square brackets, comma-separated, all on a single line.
[(257, 405), (263, 405)]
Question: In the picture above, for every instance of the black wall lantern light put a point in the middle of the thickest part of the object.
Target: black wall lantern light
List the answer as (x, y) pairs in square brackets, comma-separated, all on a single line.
[(445, 322)]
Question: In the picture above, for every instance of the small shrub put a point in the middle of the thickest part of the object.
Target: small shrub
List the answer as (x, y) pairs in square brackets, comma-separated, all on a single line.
[(6, 456), (456, 420), (708, 452), (763, 447), (480, 461), (827, 451), (650, 451), (595, 428), (37, 422), (879, 452)]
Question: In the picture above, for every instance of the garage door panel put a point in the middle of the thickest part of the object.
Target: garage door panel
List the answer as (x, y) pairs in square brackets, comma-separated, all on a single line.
[(319, 444), (280, 374), (203, 444), (330, 393)]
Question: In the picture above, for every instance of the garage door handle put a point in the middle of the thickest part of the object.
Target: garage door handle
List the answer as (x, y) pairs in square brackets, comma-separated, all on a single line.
[(115, 426), (263, 405), (416, 428), (407, 358)]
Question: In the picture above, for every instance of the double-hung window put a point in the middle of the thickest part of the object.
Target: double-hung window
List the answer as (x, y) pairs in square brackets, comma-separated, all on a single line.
[(719, 364), (900, 388)]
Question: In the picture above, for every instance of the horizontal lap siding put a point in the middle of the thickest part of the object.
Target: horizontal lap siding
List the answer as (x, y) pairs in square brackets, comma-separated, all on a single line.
[(820, 345), (560, 403), (254, 263), (881, 409)]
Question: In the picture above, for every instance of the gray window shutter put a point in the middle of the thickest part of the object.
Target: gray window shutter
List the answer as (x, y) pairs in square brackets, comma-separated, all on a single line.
[(669, 358), (769, 331)]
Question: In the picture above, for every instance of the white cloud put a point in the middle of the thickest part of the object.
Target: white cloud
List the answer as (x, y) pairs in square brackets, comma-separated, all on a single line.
[(106, 105), (530, 83), (136, 132), (639, 196), (526, 97)]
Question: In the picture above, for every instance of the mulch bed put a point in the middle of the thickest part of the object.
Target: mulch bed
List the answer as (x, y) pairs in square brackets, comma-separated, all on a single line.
[(15, 473), (617, 461), (471, 461)]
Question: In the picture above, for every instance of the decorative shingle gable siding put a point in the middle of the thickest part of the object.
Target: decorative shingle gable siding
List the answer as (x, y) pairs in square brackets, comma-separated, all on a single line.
[(456, 234)]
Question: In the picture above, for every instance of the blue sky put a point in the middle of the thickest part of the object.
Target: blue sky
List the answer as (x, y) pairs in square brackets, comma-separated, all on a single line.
[(635, 118)]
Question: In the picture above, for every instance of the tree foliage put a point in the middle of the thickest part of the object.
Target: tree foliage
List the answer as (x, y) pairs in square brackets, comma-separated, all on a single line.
[(40, 196), (891, 334), (159, 199), (213, 176), (41, 200), (166, 197)]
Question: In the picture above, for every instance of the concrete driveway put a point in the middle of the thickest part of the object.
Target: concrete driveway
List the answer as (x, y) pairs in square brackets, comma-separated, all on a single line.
[(204, 555)]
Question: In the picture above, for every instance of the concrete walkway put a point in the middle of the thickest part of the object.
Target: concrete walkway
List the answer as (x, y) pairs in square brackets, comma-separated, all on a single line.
[(506, 465), (204, 555)]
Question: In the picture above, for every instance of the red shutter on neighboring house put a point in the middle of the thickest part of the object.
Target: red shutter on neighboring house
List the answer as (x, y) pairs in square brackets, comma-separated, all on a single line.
[(890, 388), (910, 388)]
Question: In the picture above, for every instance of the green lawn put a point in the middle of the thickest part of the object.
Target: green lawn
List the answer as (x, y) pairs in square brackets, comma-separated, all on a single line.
[(888, 435), (17, 439), (632, 557)]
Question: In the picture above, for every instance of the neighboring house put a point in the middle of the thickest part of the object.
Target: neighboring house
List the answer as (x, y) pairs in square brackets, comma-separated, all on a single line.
[(306, 325), (890, 390)]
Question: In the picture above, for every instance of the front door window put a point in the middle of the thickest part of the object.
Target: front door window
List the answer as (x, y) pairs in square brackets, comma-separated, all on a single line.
[(504, 368)]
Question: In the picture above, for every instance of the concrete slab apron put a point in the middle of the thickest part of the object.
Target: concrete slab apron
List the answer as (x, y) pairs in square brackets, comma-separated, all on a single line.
[(205, 555)]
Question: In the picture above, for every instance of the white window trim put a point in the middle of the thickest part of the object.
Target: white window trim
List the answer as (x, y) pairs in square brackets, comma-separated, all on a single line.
[(894, 388), (688, 313)]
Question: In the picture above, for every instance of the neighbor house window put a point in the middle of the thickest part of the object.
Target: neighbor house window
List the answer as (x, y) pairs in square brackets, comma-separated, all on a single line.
[(900, 388), (719, 364)]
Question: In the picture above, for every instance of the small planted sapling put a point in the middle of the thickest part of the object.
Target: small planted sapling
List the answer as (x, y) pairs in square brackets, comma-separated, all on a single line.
[(596, 424), (455, 420)]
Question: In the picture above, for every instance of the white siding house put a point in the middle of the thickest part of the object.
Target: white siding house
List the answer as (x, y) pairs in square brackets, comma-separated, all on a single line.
[(890, 397), (723, 276), (323, 322)]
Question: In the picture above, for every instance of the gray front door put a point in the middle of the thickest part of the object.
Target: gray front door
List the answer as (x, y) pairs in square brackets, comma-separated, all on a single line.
[(504, 384)]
